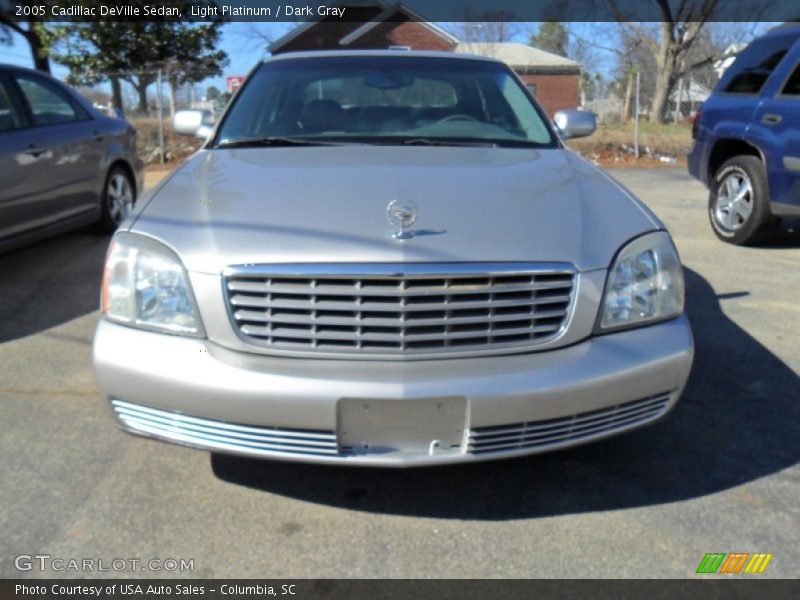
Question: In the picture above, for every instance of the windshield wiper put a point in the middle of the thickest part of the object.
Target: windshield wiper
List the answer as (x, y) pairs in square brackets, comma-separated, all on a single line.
[(275, 141), (422, 141)]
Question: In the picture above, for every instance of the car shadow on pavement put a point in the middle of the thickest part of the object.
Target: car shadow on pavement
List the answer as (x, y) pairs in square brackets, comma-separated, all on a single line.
[(787, 235), (736, 422), (50, 283)]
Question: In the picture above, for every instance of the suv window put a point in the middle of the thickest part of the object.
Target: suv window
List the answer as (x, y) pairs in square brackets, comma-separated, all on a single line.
[(750, 71), (48, 103), (9, 117), (792, 87)]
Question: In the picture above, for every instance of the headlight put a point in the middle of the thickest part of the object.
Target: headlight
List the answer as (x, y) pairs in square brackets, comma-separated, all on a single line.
[(645, 284), (145, 285)]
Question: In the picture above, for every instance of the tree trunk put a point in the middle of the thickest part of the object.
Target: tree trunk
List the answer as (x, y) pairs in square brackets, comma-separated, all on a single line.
[(171, 94), (141, 89), (663, 88), (41, 61), (666, 60), (626, 107), (116, 94), (679, 100)]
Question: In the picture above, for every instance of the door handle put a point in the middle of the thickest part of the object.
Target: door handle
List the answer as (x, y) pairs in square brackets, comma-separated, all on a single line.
[(97, 136), (771, 119), (35, 151)]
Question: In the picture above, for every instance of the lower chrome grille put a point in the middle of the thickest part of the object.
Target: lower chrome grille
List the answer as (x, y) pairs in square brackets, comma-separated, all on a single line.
[(223, 435), (399, 310), (534, 434)]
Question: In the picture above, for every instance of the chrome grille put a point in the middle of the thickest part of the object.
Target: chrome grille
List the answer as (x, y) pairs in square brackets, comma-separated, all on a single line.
[(399, 309), (223, 435), (503, 438)]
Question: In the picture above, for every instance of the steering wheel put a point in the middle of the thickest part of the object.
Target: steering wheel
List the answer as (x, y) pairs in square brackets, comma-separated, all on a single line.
[(458, 117)]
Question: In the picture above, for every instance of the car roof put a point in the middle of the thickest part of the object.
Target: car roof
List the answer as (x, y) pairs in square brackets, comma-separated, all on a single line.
[(784, 29), (381, 53), (8, 67)]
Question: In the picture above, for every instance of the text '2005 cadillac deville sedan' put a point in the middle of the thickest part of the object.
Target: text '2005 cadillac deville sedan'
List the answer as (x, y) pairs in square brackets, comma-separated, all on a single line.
[(390, 258)]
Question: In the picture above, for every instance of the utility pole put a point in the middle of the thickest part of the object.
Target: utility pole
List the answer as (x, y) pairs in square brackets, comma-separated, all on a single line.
[(636, 120), (159, 99)]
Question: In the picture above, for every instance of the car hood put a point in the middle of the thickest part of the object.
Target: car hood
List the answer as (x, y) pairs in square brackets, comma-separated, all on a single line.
[(329, 204)]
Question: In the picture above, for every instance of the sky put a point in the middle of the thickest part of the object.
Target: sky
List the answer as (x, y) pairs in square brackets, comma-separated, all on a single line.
[(245, 48)]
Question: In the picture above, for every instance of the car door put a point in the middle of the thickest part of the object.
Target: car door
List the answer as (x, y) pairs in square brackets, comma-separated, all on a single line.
[(20, 187), (776, 125), (780, 115), (61, 143)]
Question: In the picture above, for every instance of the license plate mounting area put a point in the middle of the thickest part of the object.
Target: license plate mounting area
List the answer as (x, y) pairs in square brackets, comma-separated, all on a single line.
[(427, 426)]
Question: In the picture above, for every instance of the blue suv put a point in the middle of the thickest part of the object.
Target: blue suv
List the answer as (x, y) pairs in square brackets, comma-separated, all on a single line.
[(747, 139)]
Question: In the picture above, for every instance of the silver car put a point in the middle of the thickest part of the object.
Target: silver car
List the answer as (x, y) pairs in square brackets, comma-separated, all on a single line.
[(63, 164), (390, 258)]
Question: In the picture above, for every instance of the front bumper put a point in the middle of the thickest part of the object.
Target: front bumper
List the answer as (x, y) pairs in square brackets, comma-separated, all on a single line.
[(398, 413)]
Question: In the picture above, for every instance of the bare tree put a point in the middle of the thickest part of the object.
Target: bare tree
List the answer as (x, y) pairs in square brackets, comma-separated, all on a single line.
[(677, 32), (607, 47), (257, 37), (491, 27), (671, 42)]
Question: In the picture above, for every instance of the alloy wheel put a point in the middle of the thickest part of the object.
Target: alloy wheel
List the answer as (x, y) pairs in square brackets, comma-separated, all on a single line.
[(734, 200), (119, 197)]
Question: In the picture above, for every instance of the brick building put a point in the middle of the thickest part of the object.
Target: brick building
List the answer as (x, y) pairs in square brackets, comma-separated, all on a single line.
[(553, 79), (369, 25)]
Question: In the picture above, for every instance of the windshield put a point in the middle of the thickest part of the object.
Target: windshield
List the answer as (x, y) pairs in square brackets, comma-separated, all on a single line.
[(385, 100)]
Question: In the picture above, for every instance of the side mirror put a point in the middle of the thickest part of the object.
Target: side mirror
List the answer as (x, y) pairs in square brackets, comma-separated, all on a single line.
[(575, 123), (199, 123)]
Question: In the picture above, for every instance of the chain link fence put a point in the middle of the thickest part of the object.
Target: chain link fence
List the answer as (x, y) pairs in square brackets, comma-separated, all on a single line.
[(149, 99)]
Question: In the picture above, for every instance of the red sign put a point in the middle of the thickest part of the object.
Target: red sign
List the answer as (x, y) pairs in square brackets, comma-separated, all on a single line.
[(234, 82)]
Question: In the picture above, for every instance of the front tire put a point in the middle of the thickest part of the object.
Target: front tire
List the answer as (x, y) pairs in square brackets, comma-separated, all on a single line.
[(739, 206), (119, 196)]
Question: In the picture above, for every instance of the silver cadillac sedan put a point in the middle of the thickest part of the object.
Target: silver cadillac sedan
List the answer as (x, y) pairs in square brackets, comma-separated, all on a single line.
[(390, 258)]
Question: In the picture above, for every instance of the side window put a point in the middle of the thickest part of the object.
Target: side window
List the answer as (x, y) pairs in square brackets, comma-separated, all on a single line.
[(49, 104), (750, 71), (9, 116), (792, 87)]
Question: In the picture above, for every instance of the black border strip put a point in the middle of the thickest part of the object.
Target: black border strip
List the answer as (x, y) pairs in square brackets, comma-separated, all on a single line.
[(298, 11)]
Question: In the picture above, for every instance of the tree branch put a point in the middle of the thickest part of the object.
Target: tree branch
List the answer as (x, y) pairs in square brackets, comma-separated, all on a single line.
[(14, 26), (697, 23), (706, 61), (642, 34)]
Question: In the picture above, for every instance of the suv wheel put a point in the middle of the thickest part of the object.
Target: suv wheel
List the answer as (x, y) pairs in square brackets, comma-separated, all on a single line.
[(119, 196), (739, 203)]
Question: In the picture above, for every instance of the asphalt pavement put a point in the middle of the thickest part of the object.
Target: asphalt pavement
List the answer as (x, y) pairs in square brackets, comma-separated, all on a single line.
[(720, 474)]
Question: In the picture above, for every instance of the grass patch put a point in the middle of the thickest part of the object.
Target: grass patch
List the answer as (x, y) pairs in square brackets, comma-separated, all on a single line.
[(610, 144), (178, 147)]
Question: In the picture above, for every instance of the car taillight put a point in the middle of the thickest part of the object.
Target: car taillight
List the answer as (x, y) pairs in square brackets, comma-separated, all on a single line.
[(696, 122)]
